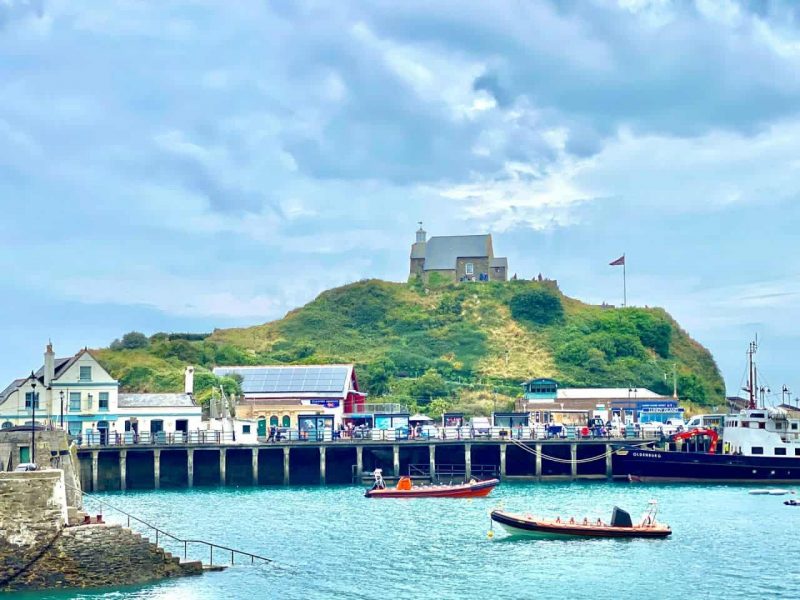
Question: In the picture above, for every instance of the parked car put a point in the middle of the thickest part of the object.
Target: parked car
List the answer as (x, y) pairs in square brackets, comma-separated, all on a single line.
[(26, 467)]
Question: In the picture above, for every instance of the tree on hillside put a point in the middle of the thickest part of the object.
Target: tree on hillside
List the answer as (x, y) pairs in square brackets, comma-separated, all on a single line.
[(131, 341), (431, 385), (542, 307), (377, 377)]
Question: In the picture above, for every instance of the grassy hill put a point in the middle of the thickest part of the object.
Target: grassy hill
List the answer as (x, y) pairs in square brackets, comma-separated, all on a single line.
[(442, 346)]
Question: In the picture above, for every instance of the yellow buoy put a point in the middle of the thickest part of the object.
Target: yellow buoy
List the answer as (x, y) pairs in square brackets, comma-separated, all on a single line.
[(490, 535)]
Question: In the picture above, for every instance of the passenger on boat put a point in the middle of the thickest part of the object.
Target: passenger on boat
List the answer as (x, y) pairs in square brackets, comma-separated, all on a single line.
[(379, 484)]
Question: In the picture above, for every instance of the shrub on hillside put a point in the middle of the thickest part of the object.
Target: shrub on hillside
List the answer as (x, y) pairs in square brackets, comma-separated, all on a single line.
[(131, 341), (542, 307)]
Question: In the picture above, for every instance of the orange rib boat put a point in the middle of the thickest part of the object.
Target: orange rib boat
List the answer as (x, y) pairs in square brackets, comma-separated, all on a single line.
[(405, 489)]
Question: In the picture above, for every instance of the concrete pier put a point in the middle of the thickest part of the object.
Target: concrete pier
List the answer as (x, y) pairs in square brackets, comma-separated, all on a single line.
[(359, 462), (149, 466), (157, 468), (190, 467), (95, 469), (123, 470)]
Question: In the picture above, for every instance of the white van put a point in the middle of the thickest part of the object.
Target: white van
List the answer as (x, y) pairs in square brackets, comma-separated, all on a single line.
[(705, 421), (480, 426)]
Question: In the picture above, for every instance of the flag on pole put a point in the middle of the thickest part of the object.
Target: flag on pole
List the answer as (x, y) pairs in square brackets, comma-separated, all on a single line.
[(619, 262)]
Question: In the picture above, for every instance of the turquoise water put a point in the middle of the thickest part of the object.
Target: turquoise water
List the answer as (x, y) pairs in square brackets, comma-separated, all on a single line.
[(331, 542)]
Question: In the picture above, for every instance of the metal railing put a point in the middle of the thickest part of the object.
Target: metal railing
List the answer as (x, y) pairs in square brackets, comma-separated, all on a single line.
[(453, 471), (161, 534), (402, 434), (130, 438)]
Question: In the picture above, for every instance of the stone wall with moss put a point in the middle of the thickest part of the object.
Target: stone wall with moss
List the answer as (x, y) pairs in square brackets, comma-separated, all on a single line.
[(38, 551)]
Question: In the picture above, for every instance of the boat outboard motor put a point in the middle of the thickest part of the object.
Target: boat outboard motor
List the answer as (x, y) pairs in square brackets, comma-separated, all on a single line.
[(621, 518)]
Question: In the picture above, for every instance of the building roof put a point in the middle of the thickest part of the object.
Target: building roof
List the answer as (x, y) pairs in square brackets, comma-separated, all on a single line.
[(608, 394), (442, 252), (155, 400), (306, 379), (498, 261), (11, 387)]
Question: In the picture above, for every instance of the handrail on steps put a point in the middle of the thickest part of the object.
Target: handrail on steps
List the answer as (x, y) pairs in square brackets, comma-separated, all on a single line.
[(211, 546)]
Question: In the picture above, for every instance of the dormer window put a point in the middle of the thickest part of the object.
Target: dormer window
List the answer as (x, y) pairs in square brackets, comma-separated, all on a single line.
[(86, 373)]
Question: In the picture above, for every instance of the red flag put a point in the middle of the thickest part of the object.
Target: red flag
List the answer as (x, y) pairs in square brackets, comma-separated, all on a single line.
[(616, 263)]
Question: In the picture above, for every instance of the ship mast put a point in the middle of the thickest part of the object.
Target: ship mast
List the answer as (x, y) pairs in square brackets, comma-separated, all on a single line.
[(751, 378)]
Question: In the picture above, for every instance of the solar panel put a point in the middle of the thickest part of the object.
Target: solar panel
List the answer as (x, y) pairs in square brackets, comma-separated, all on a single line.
[(289, 379)]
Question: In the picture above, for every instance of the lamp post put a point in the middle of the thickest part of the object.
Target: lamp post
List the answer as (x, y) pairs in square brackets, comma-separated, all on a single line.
[(61, 396), (33, 418)]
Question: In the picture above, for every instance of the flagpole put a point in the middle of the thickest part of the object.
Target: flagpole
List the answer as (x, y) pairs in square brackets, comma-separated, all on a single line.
[(624, 284)]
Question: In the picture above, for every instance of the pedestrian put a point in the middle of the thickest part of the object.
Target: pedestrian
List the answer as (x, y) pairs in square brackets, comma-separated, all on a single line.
[(271, 437)]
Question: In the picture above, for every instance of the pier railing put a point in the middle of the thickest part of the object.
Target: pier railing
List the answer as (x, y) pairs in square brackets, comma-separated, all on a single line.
[(401, 434), (161, 536)]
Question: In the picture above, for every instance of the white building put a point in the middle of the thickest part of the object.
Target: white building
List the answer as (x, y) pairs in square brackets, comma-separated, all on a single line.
[(81, 394)]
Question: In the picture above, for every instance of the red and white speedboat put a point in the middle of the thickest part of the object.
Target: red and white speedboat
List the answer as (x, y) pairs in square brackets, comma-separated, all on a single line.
[(406, 489)]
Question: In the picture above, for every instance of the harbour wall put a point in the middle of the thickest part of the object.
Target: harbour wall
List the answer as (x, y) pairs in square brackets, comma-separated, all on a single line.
[(39, 550), (181, 466)]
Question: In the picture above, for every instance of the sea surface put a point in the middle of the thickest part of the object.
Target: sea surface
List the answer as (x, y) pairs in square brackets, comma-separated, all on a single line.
[(331, 542)]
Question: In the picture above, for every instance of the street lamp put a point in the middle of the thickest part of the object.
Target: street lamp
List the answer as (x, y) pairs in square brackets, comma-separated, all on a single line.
[(33, 418), (61, 395)]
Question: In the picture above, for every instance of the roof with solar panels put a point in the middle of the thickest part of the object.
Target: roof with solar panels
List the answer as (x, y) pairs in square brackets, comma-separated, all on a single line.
[(297, 381)]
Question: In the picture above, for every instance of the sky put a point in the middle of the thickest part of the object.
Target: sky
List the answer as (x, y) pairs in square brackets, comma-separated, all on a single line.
[(181, 166)]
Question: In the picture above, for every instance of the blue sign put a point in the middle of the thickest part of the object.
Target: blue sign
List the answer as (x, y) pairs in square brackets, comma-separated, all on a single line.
[(326, 403)]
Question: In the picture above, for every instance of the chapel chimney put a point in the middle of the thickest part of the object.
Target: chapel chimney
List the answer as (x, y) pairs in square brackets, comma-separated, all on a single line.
[(188, 381), (49, 365)]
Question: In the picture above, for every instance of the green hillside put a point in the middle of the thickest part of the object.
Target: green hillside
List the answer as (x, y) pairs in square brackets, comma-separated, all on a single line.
[(441, 346)]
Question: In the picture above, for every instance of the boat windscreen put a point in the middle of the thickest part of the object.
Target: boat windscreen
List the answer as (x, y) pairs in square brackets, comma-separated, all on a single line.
[(621, 518)]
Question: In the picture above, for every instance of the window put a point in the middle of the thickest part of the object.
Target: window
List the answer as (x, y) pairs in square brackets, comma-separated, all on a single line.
[(756, 450), (29, 399), (780, 451), (794, 425), (273, 421), (286, 421), (7, 425), (103, 401), (797, 451), (246, 429), (469, 269), (74, 428), (86, 374), (75, 401)]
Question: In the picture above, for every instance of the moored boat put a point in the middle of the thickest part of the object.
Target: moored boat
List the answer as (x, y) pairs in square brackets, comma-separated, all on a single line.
[(757, 444), (406, 489), (621, 526)]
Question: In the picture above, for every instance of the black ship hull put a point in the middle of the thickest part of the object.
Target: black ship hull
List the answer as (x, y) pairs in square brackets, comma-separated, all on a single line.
[(642, 464)]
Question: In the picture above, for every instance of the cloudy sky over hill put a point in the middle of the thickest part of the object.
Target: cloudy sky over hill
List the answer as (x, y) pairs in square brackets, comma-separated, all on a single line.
[(186, 165)]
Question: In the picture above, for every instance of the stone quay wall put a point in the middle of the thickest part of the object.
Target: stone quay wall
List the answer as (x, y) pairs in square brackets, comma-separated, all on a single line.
[(100, 556), (38, 550)]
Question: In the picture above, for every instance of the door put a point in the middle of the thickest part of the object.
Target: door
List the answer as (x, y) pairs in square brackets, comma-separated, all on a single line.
[(24, 454), (102, 428), (262, 427), (157, 430)]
